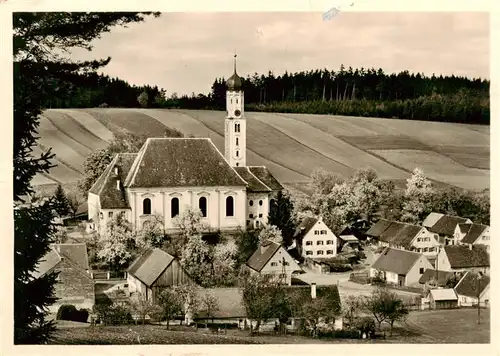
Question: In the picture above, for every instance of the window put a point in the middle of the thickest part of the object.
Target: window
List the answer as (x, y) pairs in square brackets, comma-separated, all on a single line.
[(250, 216), (101, 216), (250, 203), (309, 253), (329, 252), (146, 206), (274, 264), (316, 232), (237, 141), (174, 207), (236, 100), (282, 275), (425, 249), (309, 243), (320, 252), (110, 214), (229, 206), (329, 242), (260, 215), (421, 271), (260, 202), (257, 223), (248, 222), (286, 263), (319, 242), (202, 204), (237, 164), (237, 153)]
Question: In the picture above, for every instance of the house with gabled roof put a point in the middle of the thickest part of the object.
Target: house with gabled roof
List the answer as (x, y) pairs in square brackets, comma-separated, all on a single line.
[(461, 258), (444, 226), (404, 236), (170, 175), (153, 271), (471, 234), (315, 238), (443, 298), (471, 286), (74, 285), (272, 260), (400, 267), (435, 278)]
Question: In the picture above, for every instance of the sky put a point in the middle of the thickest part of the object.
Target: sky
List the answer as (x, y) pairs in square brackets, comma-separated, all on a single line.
[(184, 52)]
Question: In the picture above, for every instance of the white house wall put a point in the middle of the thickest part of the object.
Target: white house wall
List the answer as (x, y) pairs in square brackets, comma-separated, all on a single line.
[(417, 270), (310, 242), (275, 265), (256, 211), (426, 243), (466, 301)]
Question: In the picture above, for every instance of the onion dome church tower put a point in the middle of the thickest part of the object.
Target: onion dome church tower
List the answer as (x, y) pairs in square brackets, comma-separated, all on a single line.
[(235, 122)]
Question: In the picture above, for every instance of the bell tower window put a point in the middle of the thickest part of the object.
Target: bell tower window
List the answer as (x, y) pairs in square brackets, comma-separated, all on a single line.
[(237, 144)]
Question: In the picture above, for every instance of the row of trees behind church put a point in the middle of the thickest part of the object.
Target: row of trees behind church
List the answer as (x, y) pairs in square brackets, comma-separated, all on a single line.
[(355, 92)]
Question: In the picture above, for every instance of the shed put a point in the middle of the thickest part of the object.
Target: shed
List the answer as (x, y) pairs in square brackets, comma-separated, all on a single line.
[(442, 298)]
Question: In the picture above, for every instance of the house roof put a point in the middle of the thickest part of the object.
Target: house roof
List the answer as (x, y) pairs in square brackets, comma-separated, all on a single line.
[(431, 219), (443, 294), (472, 232), (110, 197), (394, 232), (47, 263), (173, 162), (150, 265), (255, 185), (348, 238), (230, 302), (461, 256), (446, 225), (468, 285), (396, 261), (262, 255), (77, 253), (430, 274), (305, 226), (266, 177)]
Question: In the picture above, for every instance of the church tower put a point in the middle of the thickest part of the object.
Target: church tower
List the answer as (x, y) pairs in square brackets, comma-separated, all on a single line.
[(235, 123)]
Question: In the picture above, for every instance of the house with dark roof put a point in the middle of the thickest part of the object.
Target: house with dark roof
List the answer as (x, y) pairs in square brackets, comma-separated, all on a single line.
[(74, 282), (404, 236), (471, 234), (461, 258), (154, 270), (444, 226), (316, 240), (272, 260), (473, 287), (435, 278), (169, 175), (400, 267)]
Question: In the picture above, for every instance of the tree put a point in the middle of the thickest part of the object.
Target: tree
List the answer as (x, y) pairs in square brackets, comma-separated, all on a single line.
[(210, 304), (281, 215), (189, 223), (143, 307), (375, 305), (353, 305), (394, 309), (61, 235), (171, 304), (323, 181), (314, 311), (152, 233), (197, 260), (116, 242), (95, 163), (190, 300), (40, 74), (74, 202), (417, 196), (143, 99), (257, 299), (272, 233), (61, 202), (246, 243), (223, 264)]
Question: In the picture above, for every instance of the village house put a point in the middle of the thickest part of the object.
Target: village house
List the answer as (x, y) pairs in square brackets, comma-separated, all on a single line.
[(433, 278), (169, 175), (315, 238), (272, 260), (472, 285), (400, 267), (404, 236), (444, 226), (441, 299), (154, 270), (461, 258), (74, 285), (471, 234)]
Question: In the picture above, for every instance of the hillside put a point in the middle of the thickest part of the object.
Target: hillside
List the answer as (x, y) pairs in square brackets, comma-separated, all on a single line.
[(291, 145)]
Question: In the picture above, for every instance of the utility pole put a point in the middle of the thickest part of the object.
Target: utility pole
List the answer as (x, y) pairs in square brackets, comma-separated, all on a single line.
[(478, 300)]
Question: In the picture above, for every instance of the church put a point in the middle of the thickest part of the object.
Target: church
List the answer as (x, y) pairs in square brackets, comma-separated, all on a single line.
[(169, 175)]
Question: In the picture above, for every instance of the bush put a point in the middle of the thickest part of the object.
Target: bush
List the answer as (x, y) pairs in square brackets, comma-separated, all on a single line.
[(113, 314), (365, 325), (339, 334), (69, 312), (337, 267)]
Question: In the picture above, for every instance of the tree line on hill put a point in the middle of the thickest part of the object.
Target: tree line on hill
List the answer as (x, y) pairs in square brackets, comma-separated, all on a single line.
[(351, 92)]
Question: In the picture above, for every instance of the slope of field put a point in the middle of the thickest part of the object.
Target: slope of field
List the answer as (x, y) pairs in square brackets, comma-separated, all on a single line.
[(290, 145)]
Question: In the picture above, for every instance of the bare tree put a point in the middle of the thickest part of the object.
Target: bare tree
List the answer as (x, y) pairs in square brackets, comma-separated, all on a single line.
[(211, 305)]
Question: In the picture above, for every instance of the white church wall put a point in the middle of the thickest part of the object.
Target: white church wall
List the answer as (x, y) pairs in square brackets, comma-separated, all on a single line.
[(257, 208)]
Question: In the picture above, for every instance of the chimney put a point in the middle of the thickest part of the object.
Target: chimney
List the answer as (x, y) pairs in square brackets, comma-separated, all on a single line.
[(313, 290), (118, 184)]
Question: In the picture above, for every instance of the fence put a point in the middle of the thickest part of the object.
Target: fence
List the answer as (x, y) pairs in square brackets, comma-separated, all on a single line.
[(108, 275), (359, 277)]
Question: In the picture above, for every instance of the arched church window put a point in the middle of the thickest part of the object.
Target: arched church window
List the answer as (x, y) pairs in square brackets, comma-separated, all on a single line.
[(237, 164), (250, 202), (229, 206), (237, 142), (236, 100), (202, 204), (239, 128), (260, 202), (174, 207), (237, 153), (146, 206)]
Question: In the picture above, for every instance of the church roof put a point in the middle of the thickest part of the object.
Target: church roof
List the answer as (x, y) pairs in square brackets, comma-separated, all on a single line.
[(234, 82), (106, 186), (263, 174), (255, 185), (174, 162)]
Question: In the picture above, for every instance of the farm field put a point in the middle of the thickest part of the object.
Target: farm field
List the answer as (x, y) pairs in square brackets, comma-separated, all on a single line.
[(290, 145)]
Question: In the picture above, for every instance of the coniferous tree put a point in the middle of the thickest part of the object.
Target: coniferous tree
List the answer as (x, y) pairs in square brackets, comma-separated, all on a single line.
[(281, 215), (61, 203), (42, 76)]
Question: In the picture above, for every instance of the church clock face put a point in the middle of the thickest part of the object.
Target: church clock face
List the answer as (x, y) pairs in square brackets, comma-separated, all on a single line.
[(237, 113)]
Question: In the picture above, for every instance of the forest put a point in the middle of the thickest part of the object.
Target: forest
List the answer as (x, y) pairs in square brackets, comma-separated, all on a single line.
[(350, 92)]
